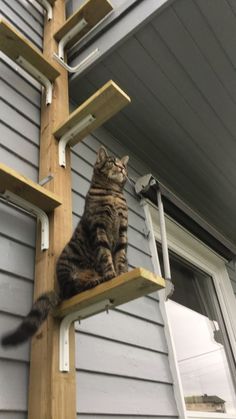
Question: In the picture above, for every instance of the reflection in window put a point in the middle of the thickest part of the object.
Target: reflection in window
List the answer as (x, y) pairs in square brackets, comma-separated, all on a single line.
[(204, 356)]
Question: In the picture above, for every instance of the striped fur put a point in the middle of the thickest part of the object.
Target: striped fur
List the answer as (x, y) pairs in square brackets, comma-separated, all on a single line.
[(97, 249)]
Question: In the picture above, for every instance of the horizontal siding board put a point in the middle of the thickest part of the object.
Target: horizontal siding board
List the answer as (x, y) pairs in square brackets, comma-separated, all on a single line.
[(18, 22), (16, 258), (116, 395), (11, 96), (27, 13), (16, 162), (34, 9), (16, 295), (79, 183), (13, 381), (136, 257), (123, 328), (12, 141), (17, 224), (20, 84), (99, 355), (143, 307), (20, 71), (20, 123), (19, 353)]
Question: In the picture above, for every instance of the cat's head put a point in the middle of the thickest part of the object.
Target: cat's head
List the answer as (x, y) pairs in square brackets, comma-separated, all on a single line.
[(110, 167)]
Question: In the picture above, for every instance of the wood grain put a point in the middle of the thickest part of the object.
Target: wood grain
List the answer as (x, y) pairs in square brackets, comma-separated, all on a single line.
[(13, 44), (93, 11), (124, 288), (52, 394), (27, 189), (103, 104)]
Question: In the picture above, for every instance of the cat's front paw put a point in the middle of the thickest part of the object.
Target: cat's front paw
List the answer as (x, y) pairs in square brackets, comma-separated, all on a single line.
[(109, 276)]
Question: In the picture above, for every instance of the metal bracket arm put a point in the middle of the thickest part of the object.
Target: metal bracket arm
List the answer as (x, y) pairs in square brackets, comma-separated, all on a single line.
[(70, 35), (69, 135), (64, 358), (34, 72), (32, 209), (78, 67), (47, 6)]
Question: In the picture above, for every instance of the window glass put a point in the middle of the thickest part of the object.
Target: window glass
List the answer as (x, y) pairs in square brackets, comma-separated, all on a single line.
[(205, 360)]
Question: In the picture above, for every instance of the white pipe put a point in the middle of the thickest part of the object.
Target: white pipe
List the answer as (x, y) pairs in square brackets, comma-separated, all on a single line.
[(69, 135), (79, 66), (64, 353), (151, 238), (46, 6), (32, 209), (70, 35), (34, 72), (164, 245)]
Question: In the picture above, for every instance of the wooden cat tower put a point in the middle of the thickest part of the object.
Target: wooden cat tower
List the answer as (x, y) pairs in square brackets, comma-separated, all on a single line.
[(52, 386)]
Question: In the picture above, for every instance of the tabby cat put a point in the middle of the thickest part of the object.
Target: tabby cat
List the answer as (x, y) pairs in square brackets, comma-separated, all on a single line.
[(97, 249)]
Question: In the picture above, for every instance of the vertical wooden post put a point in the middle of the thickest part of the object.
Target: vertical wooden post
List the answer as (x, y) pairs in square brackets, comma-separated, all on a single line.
[(52, 393)]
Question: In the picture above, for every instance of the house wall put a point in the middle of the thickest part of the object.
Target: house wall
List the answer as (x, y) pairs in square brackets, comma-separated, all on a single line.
[(121, 358), (19, 149)]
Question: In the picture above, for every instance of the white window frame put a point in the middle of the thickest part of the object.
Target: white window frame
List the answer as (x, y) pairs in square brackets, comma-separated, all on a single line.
[(191, 249)]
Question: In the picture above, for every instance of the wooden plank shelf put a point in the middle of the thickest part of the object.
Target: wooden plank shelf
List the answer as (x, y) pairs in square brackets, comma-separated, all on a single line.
[(13, 44), (93, 11), (120, 290), (102, 105), (27, 189)]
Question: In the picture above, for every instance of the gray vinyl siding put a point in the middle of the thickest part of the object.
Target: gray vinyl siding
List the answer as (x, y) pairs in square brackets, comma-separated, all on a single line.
[(19, 149), (121, 358), (26, 18)]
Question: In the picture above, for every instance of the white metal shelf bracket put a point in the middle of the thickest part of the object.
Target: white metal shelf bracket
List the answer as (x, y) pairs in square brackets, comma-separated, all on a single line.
[(79, 67), (70, 35), (64, 357), (47, 6), (32, 209), (40, 77), (69, 135)]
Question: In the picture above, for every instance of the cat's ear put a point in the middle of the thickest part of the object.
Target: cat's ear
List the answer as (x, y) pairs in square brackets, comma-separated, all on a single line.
[(125, 160), (102, 154)]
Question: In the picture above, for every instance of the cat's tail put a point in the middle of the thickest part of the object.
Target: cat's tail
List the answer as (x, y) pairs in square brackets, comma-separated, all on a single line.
[(44, 305)]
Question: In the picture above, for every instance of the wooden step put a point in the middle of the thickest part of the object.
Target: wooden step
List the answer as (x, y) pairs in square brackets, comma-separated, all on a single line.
[(103, 104), (13, 44), (120, 290), (93, 11), (27, 189)]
